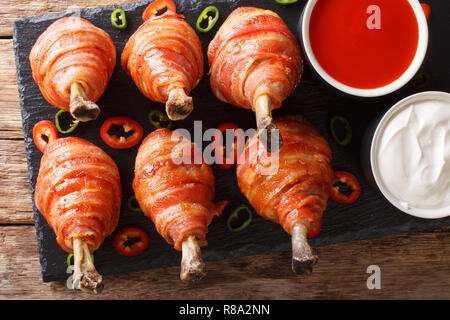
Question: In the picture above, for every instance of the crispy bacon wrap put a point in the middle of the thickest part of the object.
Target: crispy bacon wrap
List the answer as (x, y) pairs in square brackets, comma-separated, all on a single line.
[(164, 58), (177, 197), (78, 191), (298, 191), (72, 50), (254, 54), (294, 193)]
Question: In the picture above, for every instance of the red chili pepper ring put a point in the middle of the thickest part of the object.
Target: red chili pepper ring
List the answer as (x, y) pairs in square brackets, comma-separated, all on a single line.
[(159, 7), (125, 244), (44, 132), (223, 160), (426, 9), (121, 142), (350, 180)]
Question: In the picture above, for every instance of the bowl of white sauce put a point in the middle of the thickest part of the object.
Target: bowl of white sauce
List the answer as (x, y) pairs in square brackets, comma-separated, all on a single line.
[(410, 155)]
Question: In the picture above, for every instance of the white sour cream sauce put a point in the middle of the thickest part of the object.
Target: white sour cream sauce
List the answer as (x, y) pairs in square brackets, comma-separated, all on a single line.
[(413, 155)]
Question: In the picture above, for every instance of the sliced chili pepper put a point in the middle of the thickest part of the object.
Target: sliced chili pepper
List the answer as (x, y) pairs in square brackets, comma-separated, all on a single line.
[(159, 8), (207, 19), (426, 9), (121, 142), (159, 119), (286, 2), (70, 259), (421, 80), (235, 222), (131, 202), (44, 132), (119, 19), (223, 160), (166, 16), (130, 241), (349, 180), (341, 130), (72, 126)]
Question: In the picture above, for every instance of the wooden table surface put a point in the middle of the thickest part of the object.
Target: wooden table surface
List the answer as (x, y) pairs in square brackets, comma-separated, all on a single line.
[(413, 266)]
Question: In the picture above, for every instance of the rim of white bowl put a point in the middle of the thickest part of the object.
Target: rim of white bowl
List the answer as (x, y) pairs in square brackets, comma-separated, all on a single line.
[(427, 213), (389, 88)]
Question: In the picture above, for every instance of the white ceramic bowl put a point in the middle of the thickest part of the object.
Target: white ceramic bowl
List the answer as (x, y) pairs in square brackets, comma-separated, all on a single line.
[(393, 86), (427, 213)]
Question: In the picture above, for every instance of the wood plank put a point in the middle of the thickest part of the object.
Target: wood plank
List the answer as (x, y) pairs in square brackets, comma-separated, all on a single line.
[(11, 10), (15, 205), (416, 267), (10, 119)]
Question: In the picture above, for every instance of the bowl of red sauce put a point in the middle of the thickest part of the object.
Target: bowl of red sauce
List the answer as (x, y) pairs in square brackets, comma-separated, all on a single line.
[(365, 48)]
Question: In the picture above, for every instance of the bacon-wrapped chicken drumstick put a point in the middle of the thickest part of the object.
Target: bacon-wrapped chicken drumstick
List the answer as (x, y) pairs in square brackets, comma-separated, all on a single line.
[(296, 195), (72, 62), (255, 64), (78, 191), (176, 196), (164, 58)]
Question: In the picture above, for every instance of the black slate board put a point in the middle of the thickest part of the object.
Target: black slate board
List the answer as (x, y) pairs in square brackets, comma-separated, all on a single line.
[(370, 217)]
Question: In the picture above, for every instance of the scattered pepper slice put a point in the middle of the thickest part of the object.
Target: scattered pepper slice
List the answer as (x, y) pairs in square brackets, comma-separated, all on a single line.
[(426, 9), (70, 259), (159, 8), (207, 19), (119, 19), (44, 132), (421, 80), (223, 160), (130, 241), (131, 206), (72, 126), (348, 179), (286, 2), (235, 217), (337, 125), (121, 142), (159, 119)]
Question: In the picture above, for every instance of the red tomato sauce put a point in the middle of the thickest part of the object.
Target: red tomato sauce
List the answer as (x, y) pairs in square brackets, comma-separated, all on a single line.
[(357, 56)]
